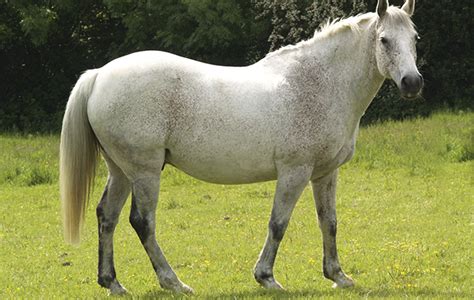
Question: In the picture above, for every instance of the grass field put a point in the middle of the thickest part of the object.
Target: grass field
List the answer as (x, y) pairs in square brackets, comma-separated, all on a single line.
[(405, 211)]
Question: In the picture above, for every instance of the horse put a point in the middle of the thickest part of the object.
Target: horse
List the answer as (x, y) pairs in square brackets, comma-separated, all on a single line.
[(292, 116)]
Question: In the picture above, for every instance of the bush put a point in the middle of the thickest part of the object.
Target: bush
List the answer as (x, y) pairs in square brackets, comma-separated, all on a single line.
[(45, 45)]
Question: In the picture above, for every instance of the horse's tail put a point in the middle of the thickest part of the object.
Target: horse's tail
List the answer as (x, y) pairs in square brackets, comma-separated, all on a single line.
[(79, 150)]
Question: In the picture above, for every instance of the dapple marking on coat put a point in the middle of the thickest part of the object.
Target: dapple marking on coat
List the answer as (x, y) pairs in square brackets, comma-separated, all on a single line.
[(292, 116)]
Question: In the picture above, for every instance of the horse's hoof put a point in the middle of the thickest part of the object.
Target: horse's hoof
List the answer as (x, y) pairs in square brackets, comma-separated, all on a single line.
[(343, 281), (177, 287), (270, 283), (180, 288), (117, 289), (186, 289)]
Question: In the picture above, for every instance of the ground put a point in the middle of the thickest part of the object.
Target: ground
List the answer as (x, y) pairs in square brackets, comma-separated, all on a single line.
[(404, 209)]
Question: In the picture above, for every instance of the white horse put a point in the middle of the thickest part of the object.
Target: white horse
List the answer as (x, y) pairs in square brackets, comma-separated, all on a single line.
[(293, 116)]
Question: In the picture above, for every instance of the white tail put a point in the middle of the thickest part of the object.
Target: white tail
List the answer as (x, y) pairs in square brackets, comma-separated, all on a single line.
[(79, 151)]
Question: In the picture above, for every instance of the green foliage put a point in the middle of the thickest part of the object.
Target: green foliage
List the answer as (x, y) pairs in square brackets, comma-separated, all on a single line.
[(446, 51), (36, 22), (52, 43), (404, 209), (46, 45), (296, 20), (212, 31)]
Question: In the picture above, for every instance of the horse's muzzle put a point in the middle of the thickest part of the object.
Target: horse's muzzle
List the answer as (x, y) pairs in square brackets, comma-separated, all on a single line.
[(411, 85)]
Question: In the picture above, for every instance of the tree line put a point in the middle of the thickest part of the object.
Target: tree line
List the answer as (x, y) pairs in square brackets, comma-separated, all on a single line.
[(46, 44)]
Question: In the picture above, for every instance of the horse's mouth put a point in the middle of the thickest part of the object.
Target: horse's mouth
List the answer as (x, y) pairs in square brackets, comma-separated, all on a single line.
[(411, 96)]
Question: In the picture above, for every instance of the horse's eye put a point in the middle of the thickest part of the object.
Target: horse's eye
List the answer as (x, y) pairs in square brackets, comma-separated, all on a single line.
[(384, 40)]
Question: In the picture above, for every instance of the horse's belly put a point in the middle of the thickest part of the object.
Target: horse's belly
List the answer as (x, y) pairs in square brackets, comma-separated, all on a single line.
[(224, 165)]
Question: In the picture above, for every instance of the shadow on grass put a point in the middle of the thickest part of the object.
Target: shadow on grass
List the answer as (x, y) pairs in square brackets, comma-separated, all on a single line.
[(311, 293)]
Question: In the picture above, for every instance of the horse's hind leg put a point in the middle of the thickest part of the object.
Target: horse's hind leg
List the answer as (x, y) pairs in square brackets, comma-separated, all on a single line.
[(142, 217), (324, 190), (108, 211)]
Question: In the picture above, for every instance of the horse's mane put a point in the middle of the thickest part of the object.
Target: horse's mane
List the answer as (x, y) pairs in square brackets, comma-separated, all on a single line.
[(331, 28)]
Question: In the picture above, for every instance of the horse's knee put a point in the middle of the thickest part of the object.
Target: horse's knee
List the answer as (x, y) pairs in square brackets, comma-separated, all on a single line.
[(278, 230)]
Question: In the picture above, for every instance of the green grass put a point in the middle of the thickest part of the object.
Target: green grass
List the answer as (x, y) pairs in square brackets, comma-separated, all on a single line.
[(405, 211)]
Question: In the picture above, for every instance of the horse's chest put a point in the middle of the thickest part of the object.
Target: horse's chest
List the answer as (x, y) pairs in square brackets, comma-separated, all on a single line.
[(331, 160)]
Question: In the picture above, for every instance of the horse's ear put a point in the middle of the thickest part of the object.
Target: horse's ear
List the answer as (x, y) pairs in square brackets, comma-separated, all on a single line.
[(409, 7), (382, 6)]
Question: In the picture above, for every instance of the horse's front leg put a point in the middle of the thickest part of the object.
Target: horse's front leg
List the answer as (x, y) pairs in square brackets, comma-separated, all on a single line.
[(324, 191), (291, 183)]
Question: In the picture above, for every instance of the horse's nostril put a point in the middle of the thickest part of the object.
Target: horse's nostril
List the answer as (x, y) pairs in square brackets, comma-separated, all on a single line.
[(412, 83), (405, 83)]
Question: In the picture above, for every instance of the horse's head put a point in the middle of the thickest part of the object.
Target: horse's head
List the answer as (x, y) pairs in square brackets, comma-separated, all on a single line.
[(396, 47)]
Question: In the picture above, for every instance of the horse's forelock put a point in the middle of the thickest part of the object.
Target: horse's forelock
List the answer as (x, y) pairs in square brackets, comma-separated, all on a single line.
[(398, 17)]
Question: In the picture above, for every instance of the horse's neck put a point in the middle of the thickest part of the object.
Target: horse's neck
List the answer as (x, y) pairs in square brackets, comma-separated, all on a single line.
[(348, 61)]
